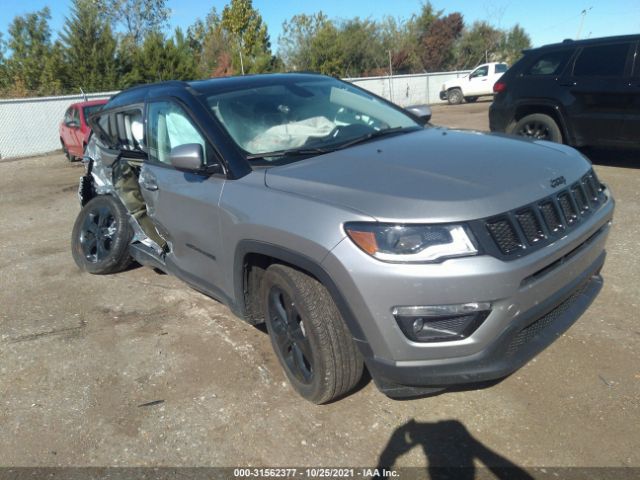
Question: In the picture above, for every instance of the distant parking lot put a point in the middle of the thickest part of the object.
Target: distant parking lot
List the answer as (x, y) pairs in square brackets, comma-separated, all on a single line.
[(137, 369)]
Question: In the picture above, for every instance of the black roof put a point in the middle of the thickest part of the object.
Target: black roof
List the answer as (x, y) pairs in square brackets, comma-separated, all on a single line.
[(589, 41), (139, 93)]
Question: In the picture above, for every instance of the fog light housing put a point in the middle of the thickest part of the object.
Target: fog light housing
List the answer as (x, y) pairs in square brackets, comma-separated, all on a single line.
[(440, 323)]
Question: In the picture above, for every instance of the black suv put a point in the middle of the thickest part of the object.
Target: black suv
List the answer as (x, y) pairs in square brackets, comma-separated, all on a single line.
[(582, 93)]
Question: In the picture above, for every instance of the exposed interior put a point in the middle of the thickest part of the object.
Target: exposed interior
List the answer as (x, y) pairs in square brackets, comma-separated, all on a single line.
[(124, 131)]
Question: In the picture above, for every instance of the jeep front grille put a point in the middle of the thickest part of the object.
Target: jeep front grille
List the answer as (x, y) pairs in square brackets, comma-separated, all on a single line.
[(537, 224), (505, 235)]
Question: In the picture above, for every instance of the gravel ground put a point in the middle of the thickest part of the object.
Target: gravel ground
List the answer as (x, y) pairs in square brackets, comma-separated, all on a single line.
[(82, 357)]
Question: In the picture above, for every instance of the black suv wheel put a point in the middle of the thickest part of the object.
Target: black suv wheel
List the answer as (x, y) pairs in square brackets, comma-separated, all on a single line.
[(538, 126), (101, 236)]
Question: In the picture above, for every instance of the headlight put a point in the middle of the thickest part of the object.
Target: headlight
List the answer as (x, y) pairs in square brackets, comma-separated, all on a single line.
[(411, 243)]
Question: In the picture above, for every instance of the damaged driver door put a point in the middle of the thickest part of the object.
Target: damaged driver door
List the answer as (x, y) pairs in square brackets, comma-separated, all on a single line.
[(183, 203)]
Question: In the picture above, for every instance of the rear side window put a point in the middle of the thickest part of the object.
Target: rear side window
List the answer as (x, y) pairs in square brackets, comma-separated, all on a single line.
[(551, 63), (501, 67), (602, 61)]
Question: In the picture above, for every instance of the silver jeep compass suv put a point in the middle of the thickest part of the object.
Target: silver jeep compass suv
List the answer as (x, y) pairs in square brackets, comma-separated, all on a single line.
[(360, 235)]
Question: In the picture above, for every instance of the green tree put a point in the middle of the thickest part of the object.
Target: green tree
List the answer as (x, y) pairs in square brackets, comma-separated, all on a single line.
[(159, 59), (437, 44), (30, 45), (4, 73), (296, 41), (400, 38), (210, 44), (360, 47), (248, 37), (515, 40), (351, 48), (481, 43), (137, 17), (55, 73), (90, 48)]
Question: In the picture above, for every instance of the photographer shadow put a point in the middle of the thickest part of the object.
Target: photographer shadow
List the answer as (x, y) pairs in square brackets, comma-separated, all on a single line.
[(450, 450)]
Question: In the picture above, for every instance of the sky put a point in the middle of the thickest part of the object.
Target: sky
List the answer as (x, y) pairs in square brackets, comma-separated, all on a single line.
[(546, 21)]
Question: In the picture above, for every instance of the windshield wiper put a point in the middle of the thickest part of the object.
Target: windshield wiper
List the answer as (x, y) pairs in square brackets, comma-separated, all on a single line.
[(375, 134), (292, 152)]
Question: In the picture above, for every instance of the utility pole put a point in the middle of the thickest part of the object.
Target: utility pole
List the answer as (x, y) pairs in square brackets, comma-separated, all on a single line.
[(390, 78), (584, 14), (241, 61)]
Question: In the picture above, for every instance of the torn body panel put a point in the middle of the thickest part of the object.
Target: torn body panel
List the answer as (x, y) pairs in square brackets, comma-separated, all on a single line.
[(112, 174)]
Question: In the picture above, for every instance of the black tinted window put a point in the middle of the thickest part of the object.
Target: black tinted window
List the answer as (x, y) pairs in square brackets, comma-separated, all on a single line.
[(501, 68), (602, 61), (550, 63)]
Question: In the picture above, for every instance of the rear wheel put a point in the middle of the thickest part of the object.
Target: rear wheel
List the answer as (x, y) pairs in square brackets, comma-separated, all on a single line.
[(308, 335), (538, 126), (101, 236), (470, 99), (454, 96), (65, 150)]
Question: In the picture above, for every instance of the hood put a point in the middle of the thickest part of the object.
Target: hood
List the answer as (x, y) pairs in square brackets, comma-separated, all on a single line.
[(433, 175)]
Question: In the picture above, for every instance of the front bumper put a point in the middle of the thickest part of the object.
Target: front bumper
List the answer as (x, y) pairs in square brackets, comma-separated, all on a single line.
[(523, 292), (519, 343), (443, 95)]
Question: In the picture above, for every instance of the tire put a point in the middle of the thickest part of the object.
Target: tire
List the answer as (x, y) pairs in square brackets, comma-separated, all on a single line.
[(454, 96), (471, 99), (538, 126), (101, 236), (308, 335)]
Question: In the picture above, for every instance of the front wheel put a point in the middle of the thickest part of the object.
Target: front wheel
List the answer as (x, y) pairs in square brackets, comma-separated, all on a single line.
[(308, 335), (455, 96), (538, 126), (101, 236)]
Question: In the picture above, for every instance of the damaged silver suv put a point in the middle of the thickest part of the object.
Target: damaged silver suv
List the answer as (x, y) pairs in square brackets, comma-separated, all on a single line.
[(433, 257)]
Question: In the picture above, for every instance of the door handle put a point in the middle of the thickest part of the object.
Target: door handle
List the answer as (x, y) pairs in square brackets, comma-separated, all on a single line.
[(148, 181), (569, 83)]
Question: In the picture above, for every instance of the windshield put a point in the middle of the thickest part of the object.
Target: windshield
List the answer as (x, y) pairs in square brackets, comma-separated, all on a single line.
[(90, 110), (320, 114)]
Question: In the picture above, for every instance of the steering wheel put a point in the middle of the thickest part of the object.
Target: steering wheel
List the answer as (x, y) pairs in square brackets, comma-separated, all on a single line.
[(350, 131)]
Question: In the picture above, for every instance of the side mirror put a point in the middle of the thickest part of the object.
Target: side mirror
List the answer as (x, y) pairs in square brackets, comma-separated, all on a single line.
[(187, 157), (422, 112)]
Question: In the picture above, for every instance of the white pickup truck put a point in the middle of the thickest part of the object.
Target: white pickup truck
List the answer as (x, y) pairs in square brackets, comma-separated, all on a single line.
[(477, 84)]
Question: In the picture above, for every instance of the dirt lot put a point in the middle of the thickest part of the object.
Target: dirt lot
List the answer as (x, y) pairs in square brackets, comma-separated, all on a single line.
[(80, 355)]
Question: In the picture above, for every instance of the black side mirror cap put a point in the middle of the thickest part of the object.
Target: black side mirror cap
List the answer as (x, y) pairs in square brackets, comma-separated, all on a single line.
[(421, 112)]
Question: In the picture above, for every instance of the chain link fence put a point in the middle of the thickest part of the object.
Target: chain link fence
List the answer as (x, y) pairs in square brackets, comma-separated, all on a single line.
[(29, 126), (406, 90)]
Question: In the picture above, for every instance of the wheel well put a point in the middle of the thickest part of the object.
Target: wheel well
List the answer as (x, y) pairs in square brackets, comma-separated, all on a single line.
[(254, 267), (524, 110), (454, 88)]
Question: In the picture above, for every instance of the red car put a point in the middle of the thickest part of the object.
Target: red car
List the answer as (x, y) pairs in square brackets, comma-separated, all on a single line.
[(74, 131)]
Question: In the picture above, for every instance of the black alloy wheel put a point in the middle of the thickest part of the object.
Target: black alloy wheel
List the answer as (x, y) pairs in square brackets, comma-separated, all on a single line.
[(288, 330)]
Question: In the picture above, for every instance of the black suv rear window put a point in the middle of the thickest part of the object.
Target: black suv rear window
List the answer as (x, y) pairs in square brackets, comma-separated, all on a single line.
[(550, 63), (602, 61)]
